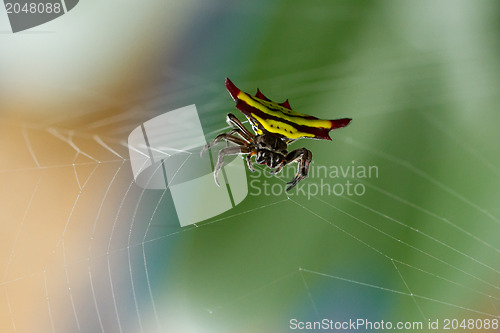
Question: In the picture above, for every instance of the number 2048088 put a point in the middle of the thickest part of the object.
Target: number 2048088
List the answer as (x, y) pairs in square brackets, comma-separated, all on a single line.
[(33, 8), (471, 324)]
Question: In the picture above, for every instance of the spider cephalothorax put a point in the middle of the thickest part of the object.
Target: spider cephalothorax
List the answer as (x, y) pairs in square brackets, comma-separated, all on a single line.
[(276, 125), (271, 150)]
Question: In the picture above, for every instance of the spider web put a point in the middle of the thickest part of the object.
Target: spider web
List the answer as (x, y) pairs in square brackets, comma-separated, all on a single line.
[(88, 250), (99, 266)]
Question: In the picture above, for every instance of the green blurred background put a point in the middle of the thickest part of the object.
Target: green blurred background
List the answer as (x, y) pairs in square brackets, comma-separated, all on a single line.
[(85, 249)]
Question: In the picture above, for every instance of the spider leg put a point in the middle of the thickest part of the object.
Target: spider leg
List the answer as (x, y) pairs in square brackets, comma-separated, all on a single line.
[(278, 168), (236, 123), (240, 134), (303, 157), (224, 136), (249, 162), (228, 151)]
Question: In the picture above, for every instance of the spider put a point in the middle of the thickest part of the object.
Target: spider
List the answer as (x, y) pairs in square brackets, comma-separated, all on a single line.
[(275, 125)]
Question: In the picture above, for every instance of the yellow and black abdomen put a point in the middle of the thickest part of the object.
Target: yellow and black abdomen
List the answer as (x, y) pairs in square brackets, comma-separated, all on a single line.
[(267, 116)]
